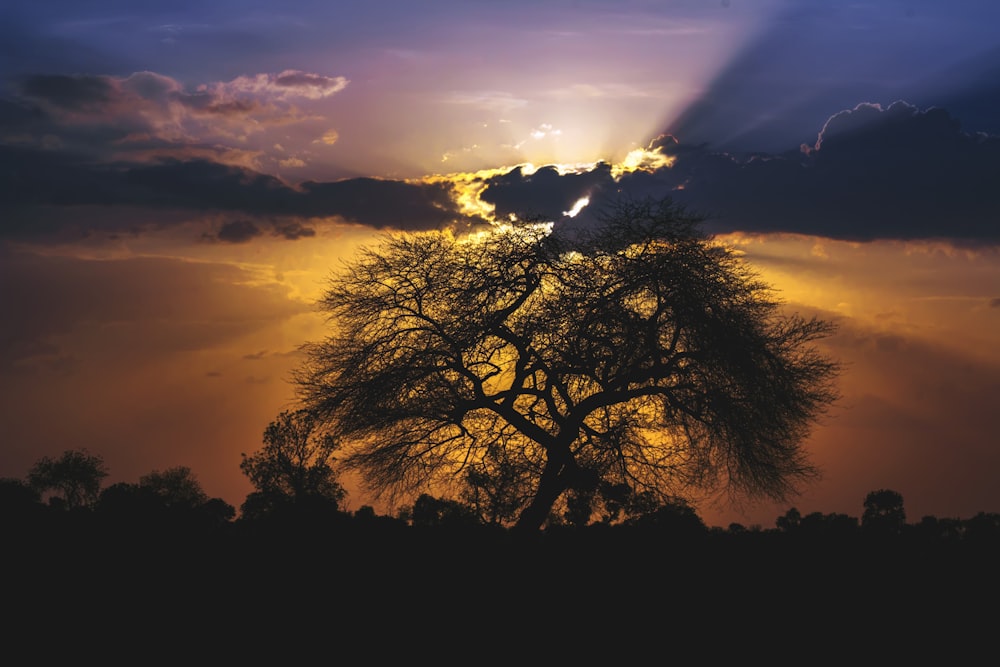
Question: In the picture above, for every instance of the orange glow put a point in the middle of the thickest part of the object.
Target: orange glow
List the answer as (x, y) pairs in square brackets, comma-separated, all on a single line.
[(642, 159)]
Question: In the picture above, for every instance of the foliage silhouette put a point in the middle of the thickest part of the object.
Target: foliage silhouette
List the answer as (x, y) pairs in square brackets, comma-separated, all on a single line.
[(169, 502), (74, 478), (294, 470), (177, 487), (431, 512), (884, 512), (536, 367)]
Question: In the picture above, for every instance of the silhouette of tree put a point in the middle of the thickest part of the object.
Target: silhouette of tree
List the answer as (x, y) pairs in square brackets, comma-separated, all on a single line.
[(16, 494), (177, 487), (496, 492), (932, 528), (884, 513), (431, 512), (678, 516), (172, 499), (983, 527), (126, 501), (790, 521), (294, 470), (833, 525), (215, 512), (637, 352), (20, 505), (75, 478)]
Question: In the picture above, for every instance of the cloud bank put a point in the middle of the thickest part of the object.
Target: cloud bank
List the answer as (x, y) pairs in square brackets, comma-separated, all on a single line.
[(83, 155)]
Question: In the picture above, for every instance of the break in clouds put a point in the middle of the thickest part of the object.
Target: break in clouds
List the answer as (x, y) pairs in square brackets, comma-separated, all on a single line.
[(83, 156), (870, 173)]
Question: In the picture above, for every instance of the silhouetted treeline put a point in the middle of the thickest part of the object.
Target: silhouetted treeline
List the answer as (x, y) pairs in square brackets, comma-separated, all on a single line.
[(133, 511), (135, 570)]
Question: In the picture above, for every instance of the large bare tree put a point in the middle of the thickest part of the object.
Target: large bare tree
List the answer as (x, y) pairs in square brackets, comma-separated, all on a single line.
[(535, 364)]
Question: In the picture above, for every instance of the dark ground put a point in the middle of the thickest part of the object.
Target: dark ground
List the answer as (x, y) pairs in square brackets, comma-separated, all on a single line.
[(482, 598)]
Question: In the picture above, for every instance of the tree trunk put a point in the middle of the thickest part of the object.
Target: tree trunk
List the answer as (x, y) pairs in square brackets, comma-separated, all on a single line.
[(550, 487)]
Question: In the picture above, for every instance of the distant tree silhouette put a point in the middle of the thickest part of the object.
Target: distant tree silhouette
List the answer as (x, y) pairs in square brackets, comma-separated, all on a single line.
[(832, 525), (884, 513), (171, 498), (130, 502), (178, 487), (983, 527), (74, 478), (499, 491), (365, 513), (790, 521), (20, 504), (638, 352), (678, 517), (215, 512), (945, 529), (16, 494), (294, 470), (431, 512)]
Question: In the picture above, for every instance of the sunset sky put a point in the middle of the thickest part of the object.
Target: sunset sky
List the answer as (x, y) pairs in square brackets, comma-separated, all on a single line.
[(178, 179)]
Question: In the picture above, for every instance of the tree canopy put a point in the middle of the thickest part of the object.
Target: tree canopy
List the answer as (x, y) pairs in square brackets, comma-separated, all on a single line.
[(176, 487), (75, 477), (529, 365), (294, 469)]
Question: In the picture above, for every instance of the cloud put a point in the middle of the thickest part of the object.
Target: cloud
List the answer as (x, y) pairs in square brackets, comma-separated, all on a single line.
[(896, 173), (238, 231), (293, 231), (543, 193), (52, 195), (105, 115), (71, 92), (872, 173), (286, 85), (384, 203), (329, 138)]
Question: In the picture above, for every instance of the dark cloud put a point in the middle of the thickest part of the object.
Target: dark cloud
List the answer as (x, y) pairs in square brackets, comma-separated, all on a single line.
[(238, 231), (893, 173), (896, 173), (545, 193), (969, 89), (294, 230), (48, 194), (383, 203), (868, 172), (194, 184), (995, 303), (70, 92)]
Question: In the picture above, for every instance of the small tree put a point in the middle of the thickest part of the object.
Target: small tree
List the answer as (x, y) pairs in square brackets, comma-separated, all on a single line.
[(557, 363), (74, 478), (884, 512), (431, 512), (177, 487), (294, 469), (790, 521)]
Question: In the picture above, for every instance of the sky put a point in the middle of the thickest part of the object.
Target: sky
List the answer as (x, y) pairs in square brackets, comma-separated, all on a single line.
[(178, 179)]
